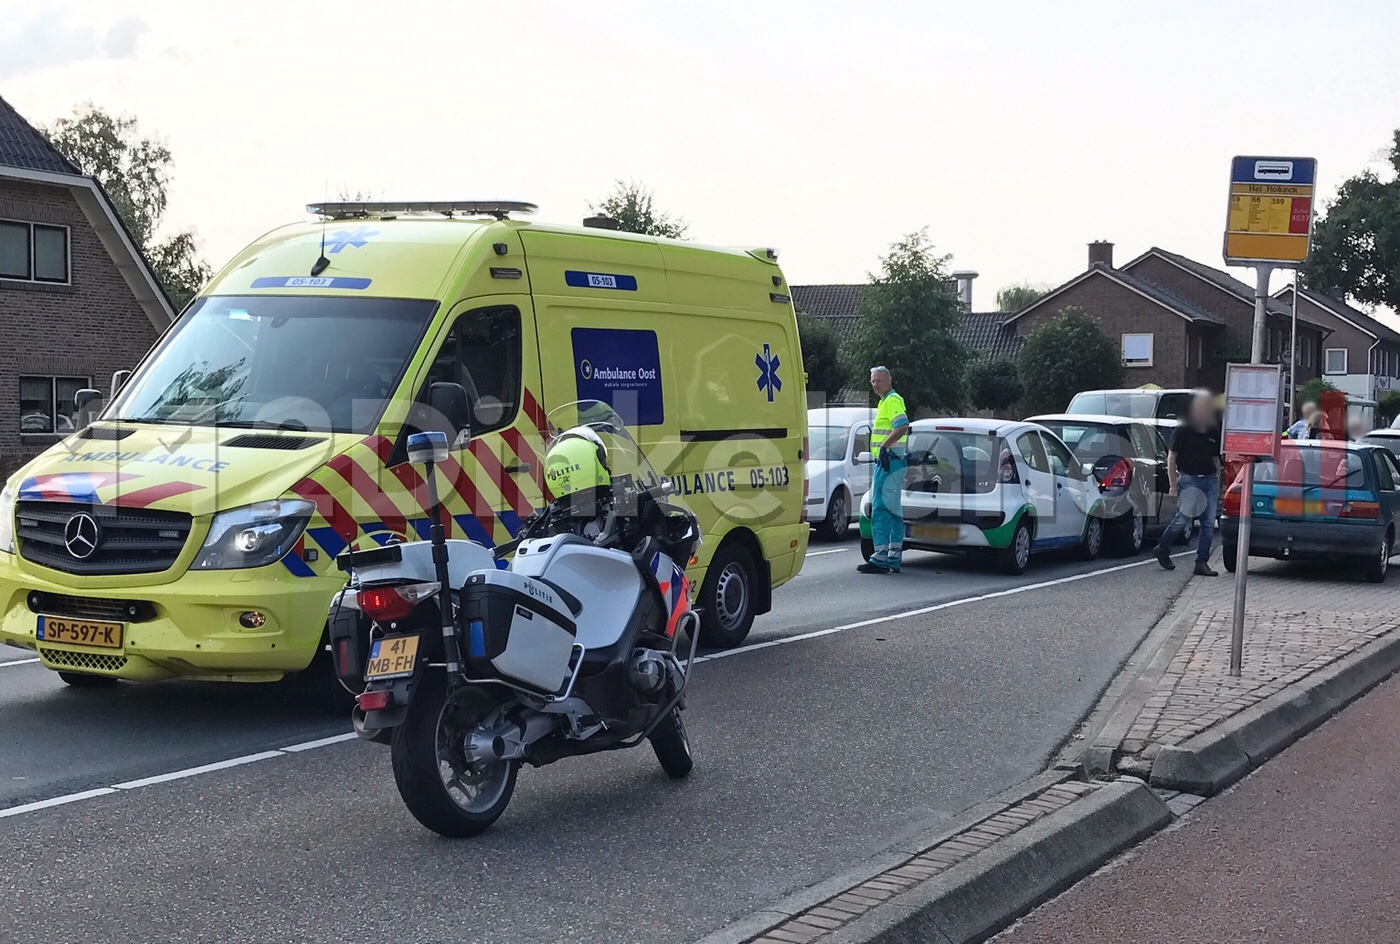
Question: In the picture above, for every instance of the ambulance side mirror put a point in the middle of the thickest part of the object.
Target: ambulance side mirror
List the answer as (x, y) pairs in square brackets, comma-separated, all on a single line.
[(119, 379), (83, 401), (449, 402)]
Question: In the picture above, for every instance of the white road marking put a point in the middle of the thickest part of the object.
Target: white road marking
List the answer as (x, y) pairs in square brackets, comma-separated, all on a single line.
[(836, 550), (924, 610), (4, 665), (294, 749)]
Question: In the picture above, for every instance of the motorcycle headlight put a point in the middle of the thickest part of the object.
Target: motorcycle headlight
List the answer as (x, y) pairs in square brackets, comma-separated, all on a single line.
[(254, 535), (7, 520)]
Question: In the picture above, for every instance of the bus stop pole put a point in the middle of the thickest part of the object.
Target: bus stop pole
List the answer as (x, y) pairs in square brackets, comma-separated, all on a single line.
[(1256, 356)]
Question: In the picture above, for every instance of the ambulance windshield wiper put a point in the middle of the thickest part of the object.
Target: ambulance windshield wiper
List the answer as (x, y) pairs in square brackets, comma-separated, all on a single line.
[(296, 426)]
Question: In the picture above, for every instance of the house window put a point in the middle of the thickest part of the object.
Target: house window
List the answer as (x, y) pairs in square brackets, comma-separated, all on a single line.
[(46, 404), (33, 252), (1334, 360), (1137, 350), (1200, 352)]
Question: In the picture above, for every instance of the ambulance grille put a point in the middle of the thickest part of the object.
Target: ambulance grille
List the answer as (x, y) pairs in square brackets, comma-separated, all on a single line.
[(66, 659), (273, 441), (91, 608), (107, 433), (129, 540)]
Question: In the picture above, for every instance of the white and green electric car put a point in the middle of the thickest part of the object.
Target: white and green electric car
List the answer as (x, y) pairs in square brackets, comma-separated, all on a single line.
[(1005, 488)]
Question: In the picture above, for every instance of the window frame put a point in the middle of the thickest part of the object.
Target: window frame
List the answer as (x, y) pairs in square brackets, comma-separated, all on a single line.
[(508, 418), (862, 430), (1151, 348), (1326, 367), (33, 278), (52, 380)]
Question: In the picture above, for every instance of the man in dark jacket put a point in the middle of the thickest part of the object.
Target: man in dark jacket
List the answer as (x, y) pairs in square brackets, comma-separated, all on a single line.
[(1193, 469)]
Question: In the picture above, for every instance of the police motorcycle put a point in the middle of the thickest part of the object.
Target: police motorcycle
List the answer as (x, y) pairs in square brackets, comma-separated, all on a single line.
[(571, 649)]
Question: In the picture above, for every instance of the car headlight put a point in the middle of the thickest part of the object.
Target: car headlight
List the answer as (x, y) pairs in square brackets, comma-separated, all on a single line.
[(7, 520), (254, 535)]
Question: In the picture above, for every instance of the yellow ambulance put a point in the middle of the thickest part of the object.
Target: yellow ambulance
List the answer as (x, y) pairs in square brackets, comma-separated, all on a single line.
[(191, 529)]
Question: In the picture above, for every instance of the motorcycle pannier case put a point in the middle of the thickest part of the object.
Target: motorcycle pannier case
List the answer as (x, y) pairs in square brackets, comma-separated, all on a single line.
[(516, 628)]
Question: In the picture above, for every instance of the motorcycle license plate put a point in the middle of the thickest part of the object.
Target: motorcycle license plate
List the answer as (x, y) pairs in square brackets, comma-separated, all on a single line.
[(80, 632), (392, 657)]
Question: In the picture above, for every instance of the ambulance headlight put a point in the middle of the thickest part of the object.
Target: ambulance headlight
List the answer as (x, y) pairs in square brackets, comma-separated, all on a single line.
[(254, 535), (7, 520)]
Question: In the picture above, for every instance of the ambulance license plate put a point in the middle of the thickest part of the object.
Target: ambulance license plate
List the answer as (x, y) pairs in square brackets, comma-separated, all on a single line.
[(934, 532), (80, 632), (392, 657)]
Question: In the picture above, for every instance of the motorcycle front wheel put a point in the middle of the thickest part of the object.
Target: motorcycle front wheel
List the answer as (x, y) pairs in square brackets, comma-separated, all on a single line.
[(441, 789), (672, 746)]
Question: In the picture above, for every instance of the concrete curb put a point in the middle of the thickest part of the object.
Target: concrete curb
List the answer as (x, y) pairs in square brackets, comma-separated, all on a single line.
[(984, 895), (1214, 759)]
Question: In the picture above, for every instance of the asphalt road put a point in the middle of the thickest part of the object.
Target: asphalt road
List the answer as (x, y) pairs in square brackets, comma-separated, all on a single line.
[(1301, 852), (811, 753)]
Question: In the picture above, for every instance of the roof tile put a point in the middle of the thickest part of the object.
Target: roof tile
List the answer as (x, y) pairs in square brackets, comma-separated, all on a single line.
[(21, 145)]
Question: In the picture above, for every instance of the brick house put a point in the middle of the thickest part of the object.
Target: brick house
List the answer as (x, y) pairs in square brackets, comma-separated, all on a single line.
[(838, 306), (77, 299), (1361, 356), (1177, 322)]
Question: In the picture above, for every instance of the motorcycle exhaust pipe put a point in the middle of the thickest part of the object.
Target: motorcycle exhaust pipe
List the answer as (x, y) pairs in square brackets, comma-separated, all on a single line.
[(377, 735)]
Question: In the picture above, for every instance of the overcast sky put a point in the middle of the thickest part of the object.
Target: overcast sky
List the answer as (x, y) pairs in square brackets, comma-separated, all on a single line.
[(1015, 131)]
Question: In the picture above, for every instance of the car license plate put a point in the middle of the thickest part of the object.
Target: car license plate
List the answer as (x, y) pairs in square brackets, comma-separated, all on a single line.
[(392, 657), (80, 632), (934, 532)]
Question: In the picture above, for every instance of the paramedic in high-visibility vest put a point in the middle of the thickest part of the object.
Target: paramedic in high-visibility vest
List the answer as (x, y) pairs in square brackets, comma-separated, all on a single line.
[(886, 513)]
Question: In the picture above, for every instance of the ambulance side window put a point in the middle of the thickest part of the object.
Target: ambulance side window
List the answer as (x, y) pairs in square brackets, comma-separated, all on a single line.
[(482, 353)]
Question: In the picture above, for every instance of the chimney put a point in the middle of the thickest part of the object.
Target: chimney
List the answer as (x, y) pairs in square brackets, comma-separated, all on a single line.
[(600, 222), (1101, 254), (965, 287)]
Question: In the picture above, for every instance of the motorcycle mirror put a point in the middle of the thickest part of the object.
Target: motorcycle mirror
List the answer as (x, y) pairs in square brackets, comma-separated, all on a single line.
[(427, 447)]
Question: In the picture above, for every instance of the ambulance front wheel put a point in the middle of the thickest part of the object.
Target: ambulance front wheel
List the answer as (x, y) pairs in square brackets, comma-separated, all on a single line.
[(727, 598)]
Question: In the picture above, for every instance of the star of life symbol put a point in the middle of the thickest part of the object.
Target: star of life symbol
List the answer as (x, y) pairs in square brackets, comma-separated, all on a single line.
[(345, 238), (768, 364)]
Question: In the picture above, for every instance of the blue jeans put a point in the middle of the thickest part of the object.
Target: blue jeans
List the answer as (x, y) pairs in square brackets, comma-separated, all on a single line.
[(887, 515), (1210, 486)]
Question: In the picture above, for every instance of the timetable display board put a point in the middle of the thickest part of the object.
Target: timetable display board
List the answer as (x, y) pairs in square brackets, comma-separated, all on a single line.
[(1270, 215)]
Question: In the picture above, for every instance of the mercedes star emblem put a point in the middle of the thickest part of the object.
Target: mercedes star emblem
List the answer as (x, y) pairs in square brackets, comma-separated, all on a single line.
[(80, 536)]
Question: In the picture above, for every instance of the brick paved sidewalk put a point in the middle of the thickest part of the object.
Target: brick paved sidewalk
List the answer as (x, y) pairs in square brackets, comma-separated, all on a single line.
[(1300, 618)]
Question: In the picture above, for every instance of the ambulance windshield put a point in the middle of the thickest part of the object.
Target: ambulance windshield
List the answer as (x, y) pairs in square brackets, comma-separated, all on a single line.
[(278, 362)]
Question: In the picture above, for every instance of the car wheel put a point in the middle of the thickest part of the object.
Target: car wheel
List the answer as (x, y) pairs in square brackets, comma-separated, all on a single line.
[(1015, 557), (1228, 552), (1092, 545), (838, 516), (727, 597), (867, 548), (1378, 565), (1131, 533)]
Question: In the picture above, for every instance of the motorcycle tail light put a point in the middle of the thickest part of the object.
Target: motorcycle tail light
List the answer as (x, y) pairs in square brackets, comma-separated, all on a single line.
[(376, 701), (385, 604)]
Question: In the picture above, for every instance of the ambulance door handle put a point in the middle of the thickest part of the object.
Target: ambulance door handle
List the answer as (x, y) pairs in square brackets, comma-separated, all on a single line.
[(520, 468)]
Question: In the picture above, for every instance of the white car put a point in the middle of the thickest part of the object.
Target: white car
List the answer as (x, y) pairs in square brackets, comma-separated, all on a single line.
[(1009, 489), (836, 482)]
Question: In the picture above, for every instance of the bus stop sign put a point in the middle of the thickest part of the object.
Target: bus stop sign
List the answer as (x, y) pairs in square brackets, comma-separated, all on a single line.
[(1270, 216)]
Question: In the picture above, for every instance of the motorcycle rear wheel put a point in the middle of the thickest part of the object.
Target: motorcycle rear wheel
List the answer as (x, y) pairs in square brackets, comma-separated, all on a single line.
[(672, 746), (443, 792)]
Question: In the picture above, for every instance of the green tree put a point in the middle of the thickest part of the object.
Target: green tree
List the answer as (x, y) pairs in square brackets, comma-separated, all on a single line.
[(821, 355), (633, 206), (993, 383), (1356, 245), (1388, 407), (1018, 296), (910, 320), (1313, 390), (1065, 355), (135, 171)]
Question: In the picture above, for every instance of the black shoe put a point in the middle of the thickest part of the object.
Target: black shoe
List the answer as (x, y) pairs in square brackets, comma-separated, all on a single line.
[(1165, 559), (1203, 570), (870, 567)]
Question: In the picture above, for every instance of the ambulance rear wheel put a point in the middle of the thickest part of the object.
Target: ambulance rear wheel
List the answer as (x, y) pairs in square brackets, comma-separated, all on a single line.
[(727, 598), (83, 680)]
